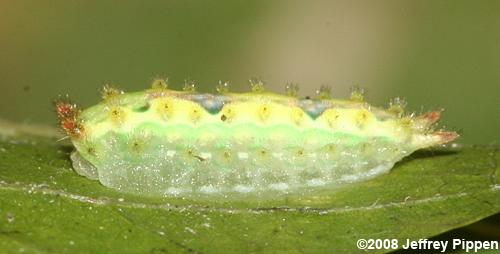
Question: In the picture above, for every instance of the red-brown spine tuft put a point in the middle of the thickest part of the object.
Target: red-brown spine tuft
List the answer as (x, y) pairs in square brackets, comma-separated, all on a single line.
[(67, 114), (426, 121), (431, 117), (446, 136)]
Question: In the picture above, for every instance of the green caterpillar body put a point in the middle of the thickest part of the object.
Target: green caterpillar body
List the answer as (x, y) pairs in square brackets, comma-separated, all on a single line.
[(166, 142)]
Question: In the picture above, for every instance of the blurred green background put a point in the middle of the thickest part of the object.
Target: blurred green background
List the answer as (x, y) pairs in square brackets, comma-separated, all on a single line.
[(436, 54)]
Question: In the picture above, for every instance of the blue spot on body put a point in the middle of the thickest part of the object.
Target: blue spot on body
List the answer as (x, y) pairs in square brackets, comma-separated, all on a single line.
[(313, 108), (211, 103)]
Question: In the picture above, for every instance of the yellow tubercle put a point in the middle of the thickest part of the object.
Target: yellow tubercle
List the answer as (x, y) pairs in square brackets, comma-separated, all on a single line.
[(159, 84), (357, 94), (164, 107), (363, 117), (109, 92), (263, 112), (196, 113), (332, 117), (117, 115), (324, 93), (256, 85)]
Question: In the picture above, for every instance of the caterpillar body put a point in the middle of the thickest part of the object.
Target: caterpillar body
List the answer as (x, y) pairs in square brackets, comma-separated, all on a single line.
[(166, 142)]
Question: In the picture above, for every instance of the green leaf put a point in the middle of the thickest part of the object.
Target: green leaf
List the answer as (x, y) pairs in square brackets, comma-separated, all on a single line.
[(45, 207)]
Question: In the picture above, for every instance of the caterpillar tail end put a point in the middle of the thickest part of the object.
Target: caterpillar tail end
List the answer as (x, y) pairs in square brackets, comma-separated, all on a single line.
[(443, 137), (425, 124)]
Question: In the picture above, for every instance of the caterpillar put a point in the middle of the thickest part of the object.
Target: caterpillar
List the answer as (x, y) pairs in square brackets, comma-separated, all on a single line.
[(163, 142)]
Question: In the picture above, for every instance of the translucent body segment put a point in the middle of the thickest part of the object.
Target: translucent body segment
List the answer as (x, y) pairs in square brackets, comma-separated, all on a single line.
[(83, 167), (175, 160)]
